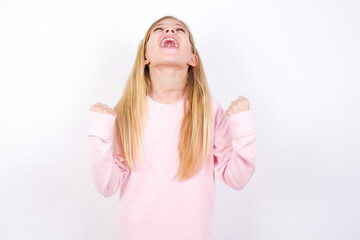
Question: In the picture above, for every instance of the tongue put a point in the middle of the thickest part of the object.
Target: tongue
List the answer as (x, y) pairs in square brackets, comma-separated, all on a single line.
[(169, 44)]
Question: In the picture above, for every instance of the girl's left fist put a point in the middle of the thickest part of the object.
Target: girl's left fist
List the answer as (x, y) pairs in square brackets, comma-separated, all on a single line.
[(239, 105)]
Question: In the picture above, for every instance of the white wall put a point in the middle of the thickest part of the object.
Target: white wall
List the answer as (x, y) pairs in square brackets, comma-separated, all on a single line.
[(296, 61)]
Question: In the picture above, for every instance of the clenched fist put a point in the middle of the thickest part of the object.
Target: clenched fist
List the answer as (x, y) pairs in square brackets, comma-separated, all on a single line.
[(239, 105), (102, 108)]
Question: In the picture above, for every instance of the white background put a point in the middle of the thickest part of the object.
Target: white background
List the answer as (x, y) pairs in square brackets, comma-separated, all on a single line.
[(296, 61)]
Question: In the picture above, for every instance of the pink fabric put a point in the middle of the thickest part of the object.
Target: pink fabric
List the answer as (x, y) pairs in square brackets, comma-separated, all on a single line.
[(151, 205)]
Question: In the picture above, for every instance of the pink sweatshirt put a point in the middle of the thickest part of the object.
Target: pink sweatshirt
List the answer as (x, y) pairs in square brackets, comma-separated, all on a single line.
[(151, 205)]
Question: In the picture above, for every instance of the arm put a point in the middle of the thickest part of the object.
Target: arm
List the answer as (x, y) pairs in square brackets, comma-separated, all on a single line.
[(234, 148), (106, 171)]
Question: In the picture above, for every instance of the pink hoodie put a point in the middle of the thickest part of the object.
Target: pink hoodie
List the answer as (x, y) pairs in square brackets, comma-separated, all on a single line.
[(151, 205)]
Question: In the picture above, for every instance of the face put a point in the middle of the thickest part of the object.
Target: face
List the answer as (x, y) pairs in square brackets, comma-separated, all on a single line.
[(175, 51)]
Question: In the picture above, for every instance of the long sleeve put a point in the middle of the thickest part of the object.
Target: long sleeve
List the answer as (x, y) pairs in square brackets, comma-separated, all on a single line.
[(234, 148), (108, 174)]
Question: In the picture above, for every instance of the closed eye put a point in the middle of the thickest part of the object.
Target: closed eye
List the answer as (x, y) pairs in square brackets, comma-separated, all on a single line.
[(181, 29)]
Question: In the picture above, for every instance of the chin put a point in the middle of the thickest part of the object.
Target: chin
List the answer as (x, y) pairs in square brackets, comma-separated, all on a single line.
[(171, 62)]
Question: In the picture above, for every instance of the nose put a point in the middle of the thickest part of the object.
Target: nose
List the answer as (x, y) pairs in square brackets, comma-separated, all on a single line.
[(168, 29)]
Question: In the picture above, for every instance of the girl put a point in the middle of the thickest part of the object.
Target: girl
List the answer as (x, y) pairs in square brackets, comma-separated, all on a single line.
[(167, 139)]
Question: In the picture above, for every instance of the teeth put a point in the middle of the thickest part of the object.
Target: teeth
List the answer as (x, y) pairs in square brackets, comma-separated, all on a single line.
[(166, 39)]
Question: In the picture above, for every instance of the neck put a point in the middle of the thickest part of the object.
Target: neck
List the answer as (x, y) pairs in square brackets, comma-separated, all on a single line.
[(168, 83)]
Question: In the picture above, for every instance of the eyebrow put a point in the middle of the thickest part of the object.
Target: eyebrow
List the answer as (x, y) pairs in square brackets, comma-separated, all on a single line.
[(176, 24)]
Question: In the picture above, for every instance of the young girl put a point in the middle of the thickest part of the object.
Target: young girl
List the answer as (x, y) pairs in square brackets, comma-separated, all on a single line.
[(167, 139)]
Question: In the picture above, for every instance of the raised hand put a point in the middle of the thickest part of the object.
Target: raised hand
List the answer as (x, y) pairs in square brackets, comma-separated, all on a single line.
[(102, 108), (239, 105)]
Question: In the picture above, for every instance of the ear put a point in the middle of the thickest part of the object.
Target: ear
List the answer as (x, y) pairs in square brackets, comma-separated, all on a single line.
[(146, 61), (193, 61)]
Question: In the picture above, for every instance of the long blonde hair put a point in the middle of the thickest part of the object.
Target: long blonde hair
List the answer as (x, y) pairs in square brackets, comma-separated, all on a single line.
[(131, 110)]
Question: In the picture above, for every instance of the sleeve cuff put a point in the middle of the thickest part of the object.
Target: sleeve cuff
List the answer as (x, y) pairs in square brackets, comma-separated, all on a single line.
[(241, 123), (101, 125)]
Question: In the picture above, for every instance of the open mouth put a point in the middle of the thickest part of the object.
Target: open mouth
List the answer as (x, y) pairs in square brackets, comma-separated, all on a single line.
[(169, 43)]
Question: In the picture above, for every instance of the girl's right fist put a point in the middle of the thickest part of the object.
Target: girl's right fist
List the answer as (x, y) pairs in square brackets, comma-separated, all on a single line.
[(102, 108)]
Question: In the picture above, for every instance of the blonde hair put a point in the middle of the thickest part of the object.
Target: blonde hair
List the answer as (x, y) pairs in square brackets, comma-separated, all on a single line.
[(195, 132)]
